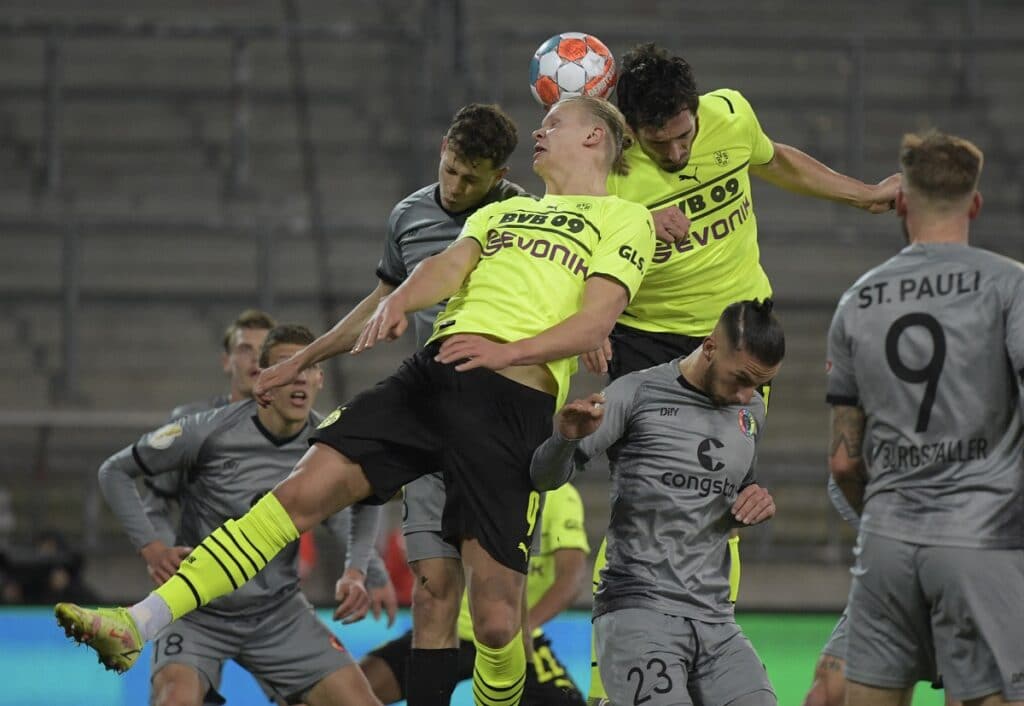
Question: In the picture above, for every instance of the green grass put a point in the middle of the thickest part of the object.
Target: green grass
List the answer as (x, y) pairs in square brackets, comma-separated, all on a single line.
[(790, 644)]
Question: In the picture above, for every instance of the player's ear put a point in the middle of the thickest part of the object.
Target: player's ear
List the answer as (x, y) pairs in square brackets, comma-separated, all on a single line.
[(901, 202), (444, 145), (709, 347), (595, 136), (225, 363), (976, 203)]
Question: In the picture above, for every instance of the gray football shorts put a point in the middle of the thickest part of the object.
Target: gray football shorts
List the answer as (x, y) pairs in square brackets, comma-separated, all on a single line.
[(916, 610), (836, 645), (289, 650), (422, 508), (663, 660)]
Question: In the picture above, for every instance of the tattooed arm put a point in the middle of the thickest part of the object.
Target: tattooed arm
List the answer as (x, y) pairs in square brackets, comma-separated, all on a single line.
[(845, 456)]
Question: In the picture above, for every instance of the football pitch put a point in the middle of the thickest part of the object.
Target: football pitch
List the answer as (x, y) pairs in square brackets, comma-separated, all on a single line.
[(40, 667)]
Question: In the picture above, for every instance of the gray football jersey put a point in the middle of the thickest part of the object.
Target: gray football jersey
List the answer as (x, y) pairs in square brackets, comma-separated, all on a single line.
[(418, 228), (230, 461), (677, 465), (930, 345), (160, 493)]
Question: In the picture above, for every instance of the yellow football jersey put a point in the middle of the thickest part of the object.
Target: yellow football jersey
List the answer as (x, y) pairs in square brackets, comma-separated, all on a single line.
[(536, 257), (690, 282)]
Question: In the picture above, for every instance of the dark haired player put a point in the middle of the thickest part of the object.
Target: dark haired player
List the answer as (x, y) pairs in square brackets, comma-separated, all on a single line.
[(681, 438)]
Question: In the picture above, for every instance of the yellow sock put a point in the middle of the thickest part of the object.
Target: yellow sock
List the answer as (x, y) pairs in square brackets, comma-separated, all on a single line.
[(499, 673), (597, 692), (229, 556)]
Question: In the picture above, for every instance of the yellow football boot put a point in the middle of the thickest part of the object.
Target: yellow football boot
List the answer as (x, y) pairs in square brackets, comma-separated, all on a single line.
[(109, 631)]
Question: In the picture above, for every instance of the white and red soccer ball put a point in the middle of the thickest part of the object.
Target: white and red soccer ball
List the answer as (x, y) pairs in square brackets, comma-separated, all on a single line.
[(571, 64)]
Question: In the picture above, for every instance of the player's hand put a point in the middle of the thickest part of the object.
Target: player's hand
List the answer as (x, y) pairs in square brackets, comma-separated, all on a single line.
[(284, 373), (383, 598), (387, 323), (883, 195), (581, 418), (754, 504), (353, 599), (596, 361), (671, 225), (475, 352), (163, 561)]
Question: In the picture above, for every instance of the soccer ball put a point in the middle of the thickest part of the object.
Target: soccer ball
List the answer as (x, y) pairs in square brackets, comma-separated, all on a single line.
[(571, 64)]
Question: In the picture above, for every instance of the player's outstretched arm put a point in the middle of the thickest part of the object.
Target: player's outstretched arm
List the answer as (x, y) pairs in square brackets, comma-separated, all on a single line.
[(797, 171), (340, 339), (434, 280), (553, 462), (603, 302), (845, 457)]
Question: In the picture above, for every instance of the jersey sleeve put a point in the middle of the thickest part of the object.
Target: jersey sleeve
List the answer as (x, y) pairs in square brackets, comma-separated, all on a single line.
[(762, 150), (557, 460), (626, 246), (175, 446), (841, 383), (618, 409), (562, 523), (391, 268)]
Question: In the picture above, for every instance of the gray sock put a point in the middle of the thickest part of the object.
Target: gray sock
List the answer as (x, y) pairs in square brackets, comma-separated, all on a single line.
[(151, 615)]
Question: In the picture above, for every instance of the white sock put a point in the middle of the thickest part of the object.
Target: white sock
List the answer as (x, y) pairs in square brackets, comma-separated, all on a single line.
[(151, 615)]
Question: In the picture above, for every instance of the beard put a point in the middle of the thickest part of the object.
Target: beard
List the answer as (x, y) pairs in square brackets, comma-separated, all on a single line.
[(708, 383)]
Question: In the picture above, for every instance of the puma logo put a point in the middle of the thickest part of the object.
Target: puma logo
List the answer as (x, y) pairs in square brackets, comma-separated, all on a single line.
[(525, 550), (684, 177)]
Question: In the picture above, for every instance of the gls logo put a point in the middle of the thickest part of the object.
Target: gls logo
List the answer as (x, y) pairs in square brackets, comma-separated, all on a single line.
[(630, 255), (709, 462)]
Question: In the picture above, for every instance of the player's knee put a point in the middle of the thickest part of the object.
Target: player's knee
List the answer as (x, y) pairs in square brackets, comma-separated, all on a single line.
[(436, 598), (435, 585), (496, 625), (176, 693)]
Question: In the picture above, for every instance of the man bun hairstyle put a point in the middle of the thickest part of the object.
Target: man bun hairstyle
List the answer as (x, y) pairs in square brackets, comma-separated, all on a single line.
[(654, 87), (284, 333), (751, 326)]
